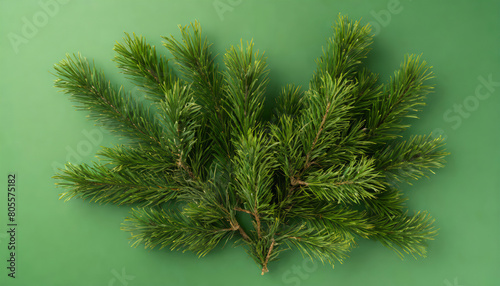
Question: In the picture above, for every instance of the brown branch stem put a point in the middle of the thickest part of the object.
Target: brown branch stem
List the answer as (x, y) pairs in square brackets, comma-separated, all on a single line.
[(236, 226), (243, 210), (264, 265), (256, 216)]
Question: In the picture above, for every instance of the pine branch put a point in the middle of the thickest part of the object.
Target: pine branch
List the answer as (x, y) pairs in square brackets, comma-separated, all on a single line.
[(284, 135), (268, 247), (326, 246), (246, 80), (157, 227), (139, 159), (326, 116), (367, 90), (201, 155), (113, 108), (149, 71), (411, 159), (401, 99), (349, 184), (100, 184), (406, 233), (290, 102), (181, 117), (335, 218), (194, 58), (351, 143), (268, 256), (344, 52), (288, 146), (253, 166), (211, 201), (388, 202)]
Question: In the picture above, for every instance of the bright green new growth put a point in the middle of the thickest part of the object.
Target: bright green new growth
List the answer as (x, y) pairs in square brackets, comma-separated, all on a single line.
[(319, 176)]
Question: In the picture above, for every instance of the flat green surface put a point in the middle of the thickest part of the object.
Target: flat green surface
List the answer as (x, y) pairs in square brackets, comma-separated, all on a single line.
[(78, 243)]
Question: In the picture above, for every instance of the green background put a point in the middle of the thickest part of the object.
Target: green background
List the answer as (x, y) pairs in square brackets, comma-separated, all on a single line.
[(78, 243)]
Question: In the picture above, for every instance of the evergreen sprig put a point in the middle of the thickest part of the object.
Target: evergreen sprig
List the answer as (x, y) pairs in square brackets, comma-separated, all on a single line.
[(321, 174)]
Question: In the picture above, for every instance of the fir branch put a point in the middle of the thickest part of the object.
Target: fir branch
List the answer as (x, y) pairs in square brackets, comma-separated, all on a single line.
[(388, 202), (253, 166), (345, 50), (101, 184), (180, 115), (401, 99), (139, 159), (201, 151), (406, 233), (317, 243), (212, 200), (113, 108), (353, 182), (411, 159), (290, 102), (268, 247), (268, 256), (246, 80), (326, 116), (335, 218), (285, 137), (288, 146), (149, 71), (195, 60), (351, 143), (157, 227), (367, 90)]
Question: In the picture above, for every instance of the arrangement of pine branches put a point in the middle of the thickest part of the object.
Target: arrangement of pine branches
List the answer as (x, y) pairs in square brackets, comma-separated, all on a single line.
[(200, 156)]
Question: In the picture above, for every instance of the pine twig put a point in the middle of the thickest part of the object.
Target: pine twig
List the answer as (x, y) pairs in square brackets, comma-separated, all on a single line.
[(264, 268)]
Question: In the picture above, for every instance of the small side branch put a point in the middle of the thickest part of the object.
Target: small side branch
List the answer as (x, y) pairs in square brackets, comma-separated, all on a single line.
[(256, 217), (257, 220), (264, 265), (243, 234), (186, 168), (296, 182), (236, 226), (308, 156), (243, 210)]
